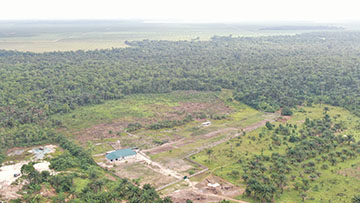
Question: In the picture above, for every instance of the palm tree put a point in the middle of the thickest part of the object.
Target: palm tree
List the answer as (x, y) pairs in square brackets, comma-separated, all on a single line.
[(209, 152), (350, 138), (333, 161), (355, 199)]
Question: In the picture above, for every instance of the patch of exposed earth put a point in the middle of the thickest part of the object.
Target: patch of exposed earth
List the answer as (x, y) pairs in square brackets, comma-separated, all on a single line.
[(7, 177), (143, 173), (8, 190), (181, 196), (161, 113), (351, 172), (218, 186), (182, 142)]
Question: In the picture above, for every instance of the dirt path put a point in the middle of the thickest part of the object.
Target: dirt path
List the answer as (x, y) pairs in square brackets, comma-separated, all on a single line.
[(262, 123), (212, 134), (164, 147), (158, 167), (179, 177), (184, 141), (246, 129)]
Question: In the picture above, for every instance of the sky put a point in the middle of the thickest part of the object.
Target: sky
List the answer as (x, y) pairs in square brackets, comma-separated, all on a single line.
[(183, 10)]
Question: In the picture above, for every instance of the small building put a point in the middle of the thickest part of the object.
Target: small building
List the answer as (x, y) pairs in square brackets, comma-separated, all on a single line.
[(120, 154)]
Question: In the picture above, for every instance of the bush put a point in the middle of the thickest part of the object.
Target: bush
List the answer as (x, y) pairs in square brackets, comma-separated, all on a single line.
[(286, 112), (64, 161), (355, 199)]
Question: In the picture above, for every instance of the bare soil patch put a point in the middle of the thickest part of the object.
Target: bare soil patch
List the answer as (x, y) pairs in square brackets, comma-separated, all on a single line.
[(215, 133), (351, 172), (47, 192), (178, 165), (193, 108), (164, 147), (161, 113), (283, 119), (145, 174), (180, 196), (218, 186), (7, 190), (186, 141), (99, 132)]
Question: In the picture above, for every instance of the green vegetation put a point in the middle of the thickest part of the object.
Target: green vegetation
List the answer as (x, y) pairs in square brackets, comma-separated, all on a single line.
[(155, 92), (309, 159), (56, 87), (89, 186)]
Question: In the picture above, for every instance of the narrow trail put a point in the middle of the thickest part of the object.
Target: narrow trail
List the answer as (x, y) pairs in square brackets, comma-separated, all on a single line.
[(180, 142), (159, 168), (179, 177)]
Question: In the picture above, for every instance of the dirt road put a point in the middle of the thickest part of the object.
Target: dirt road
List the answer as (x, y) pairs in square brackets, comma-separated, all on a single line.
[(210, 145), (142, 157)]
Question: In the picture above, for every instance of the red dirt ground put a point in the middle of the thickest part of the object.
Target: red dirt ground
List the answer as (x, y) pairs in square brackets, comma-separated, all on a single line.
[(101, 131)]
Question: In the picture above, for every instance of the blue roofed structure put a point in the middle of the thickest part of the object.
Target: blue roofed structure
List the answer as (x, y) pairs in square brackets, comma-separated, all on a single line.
[(120, 154)]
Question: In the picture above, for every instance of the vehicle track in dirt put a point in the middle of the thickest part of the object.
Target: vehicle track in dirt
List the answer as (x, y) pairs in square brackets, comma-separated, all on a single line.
[(249, 128)]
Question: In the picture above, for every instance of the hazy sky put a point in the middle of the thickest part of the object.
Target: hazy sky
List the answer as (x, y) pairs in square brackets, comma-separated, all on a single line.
[(184, 10)]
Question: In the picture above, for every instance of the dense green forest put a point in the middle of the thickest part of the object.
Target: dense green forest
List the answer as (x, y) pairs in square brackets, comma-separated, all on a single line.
[(267, 73)]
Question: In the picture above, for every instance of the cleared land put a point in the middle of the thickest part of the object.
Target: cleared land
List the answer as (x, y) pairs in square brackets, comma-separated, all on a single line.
[(102, 128), (70, 36), (207, 155), (16, 159)]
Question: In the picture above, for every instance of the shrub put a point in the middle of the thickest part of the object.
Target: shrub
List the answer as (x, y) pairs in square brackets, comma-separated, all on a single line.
[(286, 112)]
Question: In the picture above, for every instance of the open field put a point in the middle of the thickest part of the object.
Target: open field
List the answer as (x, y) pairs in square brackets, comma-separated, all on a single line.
[(102, 128), (108, 122), (69, 36), (212, 156), (146, 111)]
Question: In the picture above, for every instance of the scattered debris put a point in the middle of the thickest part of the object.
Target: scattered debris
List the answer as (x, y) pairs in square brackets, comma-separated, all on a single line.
[(213, 185), (208, 123), (10, 173), (40, 152)]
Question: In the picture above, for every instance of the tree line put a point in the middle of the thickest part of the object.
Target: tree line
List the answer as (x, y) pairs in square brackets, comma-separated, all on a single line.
[(264, 72)]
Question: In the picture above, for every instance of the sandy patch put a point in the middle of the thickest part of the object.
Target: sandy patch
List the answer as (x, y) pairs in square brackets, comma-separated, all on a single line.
[(7, 177), (7, 173)]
